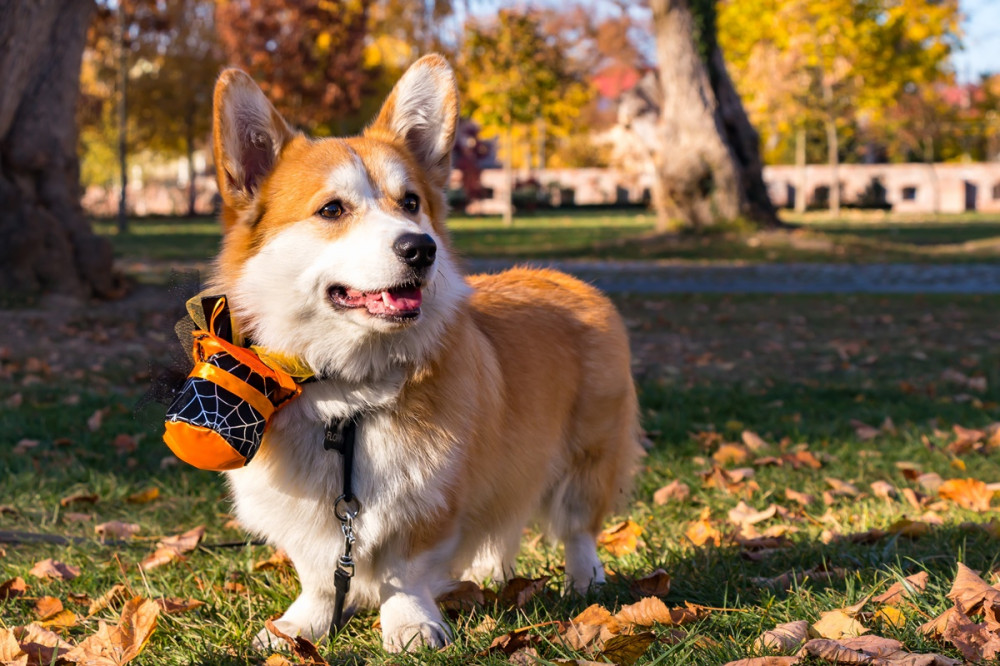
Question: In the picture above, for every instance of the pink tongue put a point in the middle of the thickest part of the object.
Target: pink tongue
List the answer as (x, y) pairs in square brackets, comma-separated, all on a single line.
[(404, 299)]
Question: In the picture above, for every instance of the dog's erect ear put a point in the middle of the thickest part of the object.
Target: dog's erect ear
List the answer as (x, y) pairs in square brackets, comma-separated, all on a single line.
[(248, 136), (422, 112)]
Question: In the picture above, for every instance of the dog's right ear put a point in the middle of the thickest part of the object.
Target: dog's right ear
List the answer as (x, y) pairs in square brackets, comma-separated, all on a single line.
[(248, 136)]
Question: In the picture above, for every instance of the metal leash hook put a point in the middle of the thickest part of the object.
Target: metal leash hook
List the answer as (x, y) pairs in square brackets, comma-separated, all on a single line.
[(346, 511)]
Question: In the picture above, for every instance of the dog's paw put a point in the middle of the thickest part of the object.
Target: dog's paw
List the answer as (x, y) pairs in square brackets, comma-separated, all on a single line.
[(411, 637)]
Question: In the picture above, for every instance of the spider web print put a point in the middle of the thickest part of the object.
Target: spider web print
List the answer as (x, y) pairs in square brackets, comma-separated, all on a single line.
[(204, 403)]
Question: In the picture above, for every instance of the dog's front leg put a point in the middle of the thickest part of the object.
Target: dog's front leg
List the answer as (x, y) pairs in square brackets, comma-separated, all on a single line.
[(409, 615)]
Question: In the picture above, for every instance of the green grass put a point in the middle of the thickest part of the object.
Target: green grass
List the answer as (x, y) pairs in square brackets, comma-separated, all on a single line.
[(792, 369), (857, 237)]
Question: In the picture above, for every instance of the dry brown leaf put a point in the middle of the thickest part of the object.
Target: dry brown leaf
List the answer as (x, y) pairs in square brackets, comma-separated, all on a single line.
[(701, 532), (837, 624), (77, 517), (626, 650), (974, 641), (743, 514), (158, 558), (656, 584), (753, 441), (650, 610), (79, 497), (113, 646), (519, 591), (277, 660), (302, 647), (883, 489), (864, 431), (730, 454), (176, 605), (524, 657), (790, 578), (49, 568), (23, 446), (802, 498), (858, 650), (116, 530), (802, 458), (598, 615), (183, 543), (842, 487), (46, 607), (41, 645), (766, 661), (465, 596), (61, 620), (511, 642), (584, 637), (95, 420), (930, 481), (970, 494), (675, 491), (784, 638), (907, 588), (279, 560), (621, 539), (113, 598), (970, 592), (143, 496), (10, 650), (15, 587)]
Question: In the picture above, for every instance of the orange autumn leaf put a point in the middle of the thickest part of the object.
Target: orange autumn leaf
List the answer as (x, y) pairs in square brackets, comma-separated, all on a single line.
[(174, 605), (47, 606), (120, 644), (649, 611), (621, 539), (967, 493), (143, 496), (701, 532), (49, 568), (907, 588)]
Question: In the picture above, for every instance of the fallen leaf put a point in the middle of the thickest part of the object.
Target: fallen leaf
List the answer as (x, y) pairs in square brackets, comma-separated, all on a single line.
[(183, 543), (302, 647), (157, 558), (730, 454), (864, 431), (23, 446), (519, 591), (892, 616), (124, 444), (464, 597), (277, 660), (852, 650), (701, 531), (279, 560), (793, 578), (967, 493), (743, 514), (650, 610), (524, 657), (753, 441), (785, 637), (46, 607), (675, 491), (766, 661), (122, 643), (10, 589), (234, 587), (511, 642), (79, 497), (837, 624), (75, 517), (10, 651), (61, 620), (95, 420), (49, 568), (930, 481), (883, 489), (143, 496), (175, 605), (113, 598), (974, 641), (116, 530), (41, 645), (621, 539), (626, 650), (909, 587), (842, 487), (970, 592), (656, 584), (802, 498)]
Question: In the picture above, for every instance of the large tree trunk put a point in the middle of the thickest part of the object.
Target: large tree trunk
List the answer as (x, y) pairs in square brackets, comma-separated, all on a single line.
[(800, 170), (46, 243), (708, 157)]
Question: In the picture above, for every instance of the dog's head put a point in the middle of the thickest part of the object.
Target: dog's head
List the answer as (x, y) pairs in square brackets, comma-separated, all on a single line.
[(335, 249)]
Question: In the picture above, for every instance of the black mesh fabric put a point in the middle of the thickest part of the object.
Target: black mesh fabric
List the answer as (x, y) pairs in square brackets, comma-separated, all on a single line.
[(204, 403)]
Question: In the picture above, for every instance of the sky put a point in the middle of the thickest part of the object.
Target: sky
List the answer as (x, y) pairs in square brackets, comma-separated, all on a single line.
[(981, 41)]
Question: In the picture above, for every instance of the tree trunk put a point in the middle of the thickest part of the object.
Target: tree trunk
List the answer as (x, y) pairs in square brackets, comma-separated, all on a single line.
[(800, 169), (833, 157), (46, 243), (192, 176), (708, 157), (122, 122)]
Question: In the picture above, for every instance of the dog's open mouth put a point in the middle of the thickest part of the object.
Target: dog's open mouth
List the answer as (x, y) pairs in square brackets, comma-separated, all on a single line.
[(400, 302)]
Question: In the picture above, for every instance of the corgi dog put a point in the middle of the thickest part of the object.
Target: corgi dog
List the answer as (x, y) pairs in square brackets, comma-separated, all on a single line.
[(483, 402)]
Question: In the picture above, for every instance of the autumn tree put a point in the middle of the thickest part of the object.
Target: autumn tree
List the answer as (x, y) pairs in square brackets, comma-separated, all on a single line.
[(512, 77), (836, 63), (46, 243), (307, 55), (707, 157)]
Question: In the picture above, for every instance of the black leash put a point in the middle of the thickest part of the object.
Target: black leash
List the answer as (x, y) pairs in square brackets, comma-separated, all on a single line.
[(340, 437)]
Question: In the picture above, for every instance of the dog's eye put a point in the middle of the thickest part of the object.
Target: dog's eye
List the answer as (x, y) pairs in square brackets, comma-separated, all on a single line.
[(332, 210), (410, 202)]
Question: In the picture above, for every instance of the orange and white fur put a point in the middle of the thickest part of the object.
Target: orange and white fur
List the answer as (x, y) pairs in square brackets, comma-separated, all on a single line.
[(489, 401)]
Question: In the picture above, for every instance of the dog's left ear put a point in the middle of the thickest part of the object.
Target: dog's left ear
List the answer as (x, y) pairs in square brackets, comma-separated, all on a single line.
[(422, 112)]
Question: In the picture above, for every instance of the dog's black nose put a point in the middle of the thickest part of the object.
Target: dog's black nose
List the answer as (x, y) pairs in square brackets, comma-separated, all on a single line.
[(416, 250)]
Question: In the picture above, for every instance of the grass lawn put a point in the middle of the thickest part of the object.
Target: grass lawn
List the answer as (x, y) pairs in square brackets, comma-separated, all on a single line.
[(794, 370), (629, 235)]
